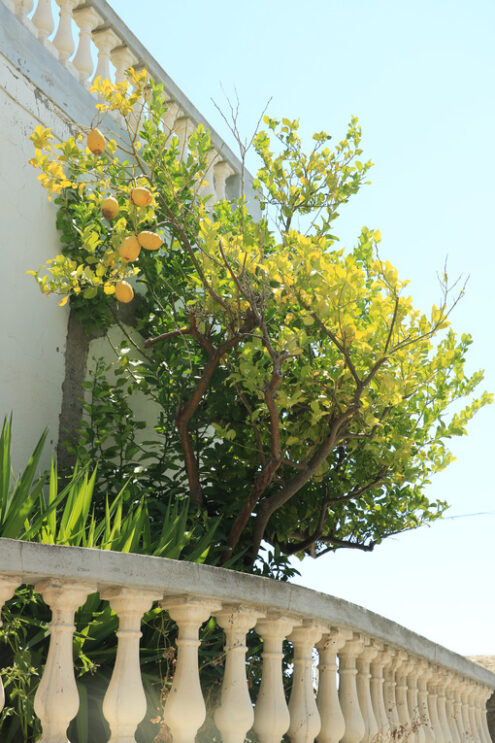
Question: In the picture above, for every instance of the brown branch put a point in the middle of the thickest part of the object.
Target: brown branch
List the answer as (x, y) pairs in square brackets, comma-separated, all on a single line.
[(309, 540), (165, 336), (345, 543), (256, 432), (185, 412), (394, 318)]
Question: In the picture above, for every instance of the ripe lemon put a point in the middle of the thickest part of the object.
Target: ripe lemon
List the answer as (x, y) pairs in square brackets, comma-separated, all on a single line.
[(141, 196), (149, 240), (96, 142), (124, 292), (110, 208), (129, 248)]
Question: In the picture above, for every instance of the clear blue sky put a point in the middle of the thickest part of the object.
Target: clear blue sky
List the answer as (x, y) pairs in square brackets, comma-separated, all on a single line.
[(420, 77)]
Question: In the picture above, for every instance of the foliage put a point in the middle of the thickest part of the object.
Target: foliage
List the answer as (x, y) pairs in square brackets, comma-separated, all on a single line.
[(306, 396), (38, 510)]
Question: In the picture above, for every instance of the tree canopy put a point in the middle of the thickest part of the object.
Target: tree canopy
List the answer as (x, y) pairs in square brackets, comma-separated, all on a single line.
[(306, 398)]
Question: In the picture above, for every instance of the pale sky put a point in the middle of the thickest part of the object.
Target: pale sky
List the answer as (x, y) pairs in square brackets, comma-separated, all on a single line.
[(419, 75)]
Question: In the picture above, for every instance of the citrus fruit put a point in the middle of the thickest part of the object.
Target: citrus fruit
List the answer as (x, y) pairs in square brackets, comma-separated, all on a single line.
[(124, 292), (110, 207), (149, 240), (96, 142), (129, 248), (141, 196)]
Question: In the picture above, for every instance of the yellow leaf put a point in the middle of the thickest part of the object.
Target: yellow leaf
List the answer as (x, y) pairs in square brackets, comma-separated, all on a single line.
[(63, 301)]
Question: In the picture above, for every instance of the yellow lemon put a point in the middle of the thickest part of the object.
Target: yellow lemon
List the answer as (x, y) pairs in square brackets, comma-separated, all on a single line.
[(96, 142), (141, 196), (110, 207), (124, 292), (129, 248), (149, 240)]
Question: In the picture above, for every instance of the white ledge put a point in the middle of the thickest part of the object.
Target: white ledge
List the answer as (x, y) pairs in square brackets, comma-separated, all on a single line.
[(106, 568)]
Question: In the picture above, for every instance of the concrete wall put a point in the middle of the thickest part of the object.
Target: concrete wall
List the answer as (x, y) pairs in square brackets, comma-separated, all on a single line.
[(32, 327)]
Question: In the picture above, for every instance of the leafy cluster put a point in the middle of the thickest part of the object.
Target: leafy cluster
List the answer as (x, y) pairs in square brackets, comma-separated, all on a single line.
[(305, 397)]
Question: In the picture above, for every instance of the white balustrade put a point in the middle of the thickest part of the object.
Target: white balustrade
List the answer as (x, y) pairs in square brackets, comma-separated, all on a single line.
[(370, 652), (432, 688), (43, 20), (22, 8), (122, 58), (170, 116), (64, 41), (377, 691), (483, 694), (451, 711), (183, 128), (105, 40), (57, 700), (185, 709), (389, 689), (406, 727), (442, 683), (304, 716), (426, 700), (332, 719), (124, 705), (87, 19), (221, 171), (208, 190), (7, 588), (413, 701), (235, 715), (466, 722), (354, 722), (271, 714), (424, 712)]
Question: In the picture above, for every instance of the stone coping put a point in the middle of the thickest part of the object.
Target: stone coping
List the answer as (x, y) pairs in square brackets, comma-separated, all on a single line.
[(33, 562)]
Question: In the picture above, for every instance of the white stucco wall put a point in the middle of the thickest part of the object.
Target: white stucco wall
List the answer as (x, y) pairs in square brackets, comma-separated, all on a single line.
[(32, 326)]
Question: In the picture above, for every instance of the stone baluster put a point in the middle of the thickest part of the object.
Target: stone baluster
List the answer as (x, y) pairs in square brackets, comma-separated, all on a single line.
[(271, 714), (377, 690), (483, 694), (208, 190), (349, 702), (443, 681), (105, 40), (459, 718), (235, 715), (21, 8), (432, 688), (424, 712), (87, 19), (183, 128), (122, 58), (124, 705), (43, 20), (170, 116), (185, 709), (7, 588), (413, 701), (451, 710), (222, 171), (64, 41), (467, 733), (57, 701), (304, 716), (406, 727), (332, 720), (363, 680), (389, 689), (474, 713)]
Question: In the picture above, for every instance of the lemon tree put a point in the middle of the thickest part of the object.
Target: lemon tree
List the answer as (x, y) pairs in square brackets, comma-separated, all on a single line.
[(306, 400)]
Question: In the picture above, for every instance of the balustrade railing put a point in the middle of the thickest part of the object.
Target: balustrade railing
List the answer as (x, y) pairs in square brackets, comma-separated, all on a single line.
[(376, 681), (90, 40)]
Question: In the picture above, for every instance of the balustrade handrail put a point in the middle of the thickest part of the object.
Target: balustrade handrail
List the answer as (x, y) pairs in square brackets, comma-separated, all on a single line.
[(103, 34), (36, 562)]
